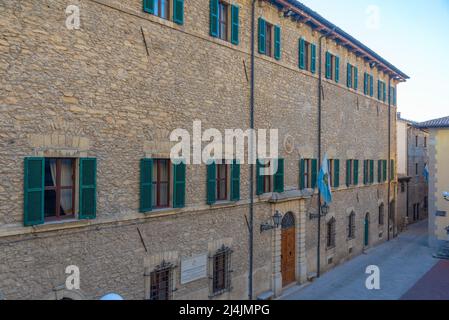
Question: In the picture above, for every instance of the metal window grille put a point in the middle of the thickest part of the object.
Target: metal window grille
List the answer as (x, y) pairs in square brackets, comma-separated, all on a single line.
[(351, 227), (221, 266), (381, 215), (331, 233), (162, 282)]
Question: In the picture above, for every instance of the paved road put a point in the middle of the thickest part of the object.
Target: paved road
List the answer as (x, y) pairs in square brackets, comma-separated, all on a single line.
[(402, 261)]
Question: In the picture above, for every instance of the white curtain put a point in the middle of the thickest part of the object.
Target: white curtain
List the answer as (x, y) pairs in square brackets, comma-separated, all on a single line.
[(66, 180)]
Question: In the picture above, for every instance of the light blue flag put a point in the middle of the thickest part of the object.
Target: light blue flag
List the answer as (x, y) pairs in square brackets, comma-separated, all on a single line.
[(324, 184), (426, 173)]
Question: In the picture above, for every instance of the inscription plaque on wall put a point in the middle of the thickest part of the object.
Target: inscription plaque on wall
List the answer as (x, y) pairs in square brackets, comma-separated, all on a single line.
[(193, 268)]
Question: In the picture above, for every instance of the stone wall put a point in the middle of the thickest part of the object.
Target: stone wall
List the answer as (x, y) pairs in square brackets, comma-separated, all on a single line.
[(95, 92)]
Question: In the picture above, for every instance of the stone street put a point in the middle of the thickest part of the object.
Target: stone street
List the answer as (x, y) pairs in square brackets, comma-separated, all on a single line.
[(407, 271)]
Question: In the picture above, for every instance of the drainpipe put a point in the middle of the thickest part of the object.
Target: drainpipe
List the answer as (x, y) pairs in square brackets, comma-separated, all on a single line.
[(389, 157), (320, 67), (251, 166)]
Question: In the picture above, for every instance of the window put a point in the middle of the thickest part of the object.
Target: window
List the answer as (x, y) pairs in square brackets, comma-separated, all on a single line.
[(307, 56), (416, 169), (222, 20), (425, 142), (308, 173), (426, 204), (59, 195), (221, 278), (381, 91), (269, 39), (352, 77), (161, 183), (349, 172), (330, 234), (332, 67), (162, 9), (368, 171), (368, 84), (351, 226), (162, 282), (267, 186), (416, 141), (222, 181), (49, 189), (381, 214)]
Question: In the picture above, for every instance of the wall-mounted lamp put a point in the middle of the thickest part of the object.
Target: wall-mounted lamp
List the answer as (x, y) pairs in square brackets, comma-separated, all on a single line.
[(446, 196), (372, 64), (277, 217), (324, 211)]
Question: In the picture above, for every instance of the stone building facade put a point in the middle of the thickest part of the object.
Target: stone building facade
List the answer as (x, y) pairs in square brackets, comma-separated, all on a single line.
[(101, 98), (413, 160), (438, 184)]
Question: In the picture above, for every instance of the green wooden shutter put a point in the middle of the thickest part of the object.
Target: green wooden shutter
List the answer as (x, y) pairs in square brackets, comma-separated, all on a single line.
[(146, 185), (214, 18), (302, 183), (356, 78), (314, 172), (261, 37), (384, 170), (178, 11), (371, 171), (279, 177), (356, 172), (148, 6), (365, 83), (379, 90), (179, 185), (328, 65), (394, 97), (348, 173), (336, 173), (349, 76), (392, 170), (277, 42), (235, 181), (211, 183), (88, 188), (313, 58), (234, 24), (33, 195), (379, 171), (384, 87), (365, 171), (301, 49), (337, 69), (259, 179), (371, 85)]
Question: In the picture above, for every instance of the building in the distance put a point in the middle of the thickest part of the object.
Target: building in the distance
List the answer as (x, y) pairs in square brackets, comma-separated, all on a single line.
[(412, 146), (438, 180), (86, 177)]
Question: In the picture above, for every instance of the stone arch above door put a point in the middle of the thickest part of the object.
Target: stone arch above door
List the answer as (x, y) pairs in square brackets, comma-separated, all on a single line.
[(288, 221)]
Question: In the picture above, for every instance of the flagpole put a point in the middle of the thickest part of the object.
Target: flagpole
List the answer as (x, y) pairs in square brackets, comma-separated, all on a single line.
[(320, 79)]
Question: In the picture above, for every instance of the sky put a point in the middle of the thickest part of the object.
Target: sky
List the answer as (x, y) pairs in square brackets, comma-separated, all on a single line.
[(413, 35)]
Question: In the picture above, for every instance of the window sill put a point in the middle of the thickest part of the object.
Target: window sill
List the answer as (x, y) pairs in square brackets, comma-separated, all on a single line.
[(222, 203)]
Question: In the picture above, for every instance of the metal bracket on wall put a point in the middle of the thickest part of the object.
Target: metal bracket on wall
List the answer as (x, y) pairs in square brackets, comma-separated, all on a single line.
[(145, 41), (246, 72)]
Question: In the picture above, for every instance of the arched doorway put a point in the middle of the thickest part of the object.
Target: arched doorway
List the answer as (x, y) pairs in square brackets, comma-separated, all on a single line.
[(288, 250), (366, 239)]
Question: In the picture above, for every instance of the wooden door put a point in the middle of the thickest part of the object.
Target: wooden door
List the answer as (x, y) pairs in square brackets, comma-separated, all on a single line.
[(288, 251)]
